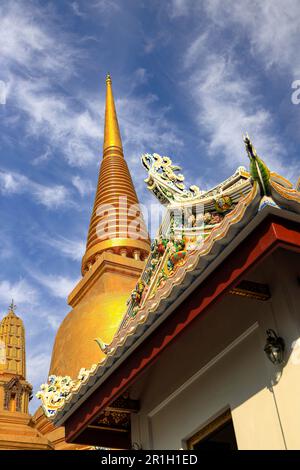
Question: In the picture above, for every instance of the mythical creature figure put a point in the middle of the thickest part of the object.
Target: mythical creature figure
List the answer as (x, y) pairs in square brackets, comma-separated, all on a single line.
[(54, 394), (223, 203), (258, 169), (164, 180), (136, 294), (178, 252)]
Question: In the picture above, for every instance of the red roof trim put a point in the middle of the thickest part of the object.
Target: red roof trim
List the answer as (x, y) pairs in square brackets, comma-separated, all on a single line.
[(272, 233)]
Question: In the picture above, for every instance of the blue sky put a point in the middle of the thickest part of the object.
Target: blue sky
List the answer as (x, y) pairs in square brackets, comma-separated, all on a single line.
[(189, 78)]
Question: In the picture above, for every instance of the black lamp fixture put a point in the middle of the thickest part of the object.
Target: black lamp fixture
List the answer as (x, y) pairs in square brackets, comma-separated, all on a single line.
[(274, 347)]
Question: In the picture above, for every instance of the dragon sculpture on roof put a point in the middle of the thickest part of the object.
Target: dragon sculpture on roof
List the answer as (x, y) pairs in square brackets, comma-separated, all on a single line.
[(164, 180)]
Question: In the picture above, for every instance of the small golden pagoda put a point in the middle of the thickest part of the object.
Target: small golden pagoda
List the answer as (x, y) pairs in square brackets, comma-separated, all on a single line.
[(112, 263), (17, 428)]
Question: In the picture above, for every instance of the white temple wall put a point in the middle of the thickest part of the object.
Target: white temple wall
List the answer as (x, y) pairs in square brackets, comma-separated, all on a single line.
[(219, 363)]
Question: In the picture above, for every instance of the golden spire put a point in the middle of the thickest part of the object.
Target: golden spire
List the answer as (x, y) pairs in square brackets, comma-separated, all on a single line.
[(12, 344), (116, 209), (112, 139)]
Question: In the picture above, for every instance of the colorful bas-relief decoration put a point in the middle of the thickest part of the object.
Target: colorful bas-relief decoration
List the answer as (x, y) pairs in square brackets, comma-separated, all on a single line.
[(137, 296), (176, 253), (54, 394), (169, 253), (223, 203)]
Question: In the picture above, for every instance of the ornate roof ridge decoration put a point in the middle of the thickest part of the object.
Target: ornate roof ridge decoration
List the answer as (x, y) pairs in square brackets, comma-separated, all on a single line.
[(237, 179), (58, 390), (189, 264), (260, 188), (165, 181), (168, 186)]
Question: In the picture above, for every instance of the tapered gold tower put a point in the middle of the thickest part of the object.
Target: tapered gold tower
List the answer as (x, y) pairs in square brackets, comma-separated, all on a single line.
[(17, 429), (116, 223), (12, 345), (117, 245), (112, 144)]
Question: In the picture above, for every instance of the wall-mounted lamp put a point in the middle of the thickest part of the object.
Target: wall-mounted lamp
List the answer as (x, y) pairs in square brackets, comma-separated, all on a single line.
[(274, 347)]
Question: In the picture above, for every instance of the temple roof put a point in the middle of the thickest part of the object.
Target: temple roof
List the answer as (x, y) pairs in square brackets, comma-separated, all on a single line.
[(175, 267)]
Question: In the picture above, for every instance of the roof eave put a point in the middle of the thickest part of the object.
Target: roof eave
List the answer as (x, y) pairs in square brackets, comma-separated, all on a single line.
[(97, 380)]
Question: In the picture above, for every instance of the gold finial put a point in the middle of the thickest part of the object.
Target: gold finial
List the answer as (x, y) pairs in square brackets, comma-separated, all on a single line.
[(112, 138), (12, 306)]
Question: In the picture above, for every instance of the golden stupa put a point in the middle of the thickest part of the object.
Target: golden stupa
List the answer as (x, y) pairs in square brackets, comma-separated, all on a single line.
[(111, 264), (17, 426)]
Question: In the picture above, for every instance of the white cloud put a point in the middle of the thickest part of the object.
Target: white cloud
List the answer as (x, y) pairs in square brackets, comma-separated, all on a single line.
[(76, 9), (6, 246), (21, 291), (70, 126), (4, 90), (226, 108), (192, 53), (59, 286), (38, 364), (150, 44), (52, 115), (36, 56), (179, 8), (37, 367), (145, 125), (54, 321), (272, 26), (49, 196), (27, 40), (43, 157), (73, 249), (105, 7), (11, 183), (82, 185), (226, 100), (141, 76)]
